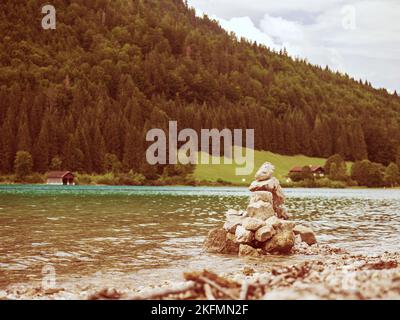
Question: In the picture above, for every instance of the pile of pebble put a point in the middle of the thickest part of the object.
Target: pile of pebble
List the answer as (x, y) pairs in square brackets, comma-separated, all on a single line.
[(264, 228)]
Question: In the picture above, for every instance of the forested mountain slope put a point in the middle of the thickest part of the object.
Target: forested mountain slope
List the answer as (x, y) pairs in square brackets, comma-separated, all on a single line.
[(115, 68)]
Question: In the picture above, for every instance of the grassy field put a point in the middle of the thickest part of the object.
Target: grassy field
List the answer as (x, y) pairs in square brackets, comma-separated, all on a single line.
[(282, 164)]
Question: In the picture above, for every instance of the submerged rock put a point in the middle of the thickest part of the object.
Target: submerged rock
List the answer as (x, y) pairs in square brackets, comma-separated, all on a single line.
[(246, 250), (217, 242)]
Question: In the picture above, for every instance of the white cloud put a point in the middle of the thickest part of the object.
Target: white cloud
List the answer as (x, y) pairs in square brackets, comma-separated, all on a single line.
[(284, 30), (244, 27), (233, 8), (324, 32)]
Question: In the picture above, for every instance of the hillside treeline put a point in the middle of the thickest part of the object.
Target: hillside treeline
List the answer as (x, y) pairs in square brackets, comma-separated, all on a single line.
[(112, 70)]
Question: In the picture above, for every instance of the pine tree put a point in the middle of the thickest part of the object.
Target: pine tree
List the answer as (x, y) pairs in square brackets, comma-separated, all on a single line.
[(133, 149), (112, 163), (8, 147), (97, 150), (342, 146), (320, 138), (23, 136), (112, 131), (82, 150), (73, 158), (56, 164), (23, 164), (357, 145), (392, 175), (41, 149), (398, 157)]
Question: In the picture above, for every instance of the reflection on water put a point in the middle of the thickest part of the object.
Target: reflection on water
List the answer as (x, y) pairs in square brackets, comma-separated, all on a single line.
[(121, 231)]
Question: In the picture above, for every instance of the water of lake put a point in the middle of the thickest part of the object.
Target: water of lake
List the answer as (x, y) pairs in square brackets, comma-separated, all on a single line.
[(144, 234)]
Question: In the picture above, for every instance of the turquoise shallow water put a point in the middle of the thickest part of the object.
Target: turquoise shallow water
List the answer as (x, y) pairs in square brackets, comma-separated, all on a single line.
[(117, 231)]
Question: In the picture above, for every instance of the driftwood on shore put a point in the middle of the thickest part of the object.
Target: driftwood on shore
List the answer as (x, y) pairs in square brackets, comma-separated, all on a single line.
[(326, 274), (335, 277), (199, 285)]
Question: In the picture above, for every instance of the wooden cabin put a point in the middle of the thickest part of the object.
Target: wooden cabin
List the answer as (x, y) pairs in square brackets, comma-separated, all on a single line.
[(65, 178), (317, 171)]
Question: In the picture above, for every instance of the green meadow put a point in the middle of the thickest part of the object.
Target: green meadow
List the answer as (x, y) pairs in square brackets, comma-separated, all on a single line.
[(226, 172)]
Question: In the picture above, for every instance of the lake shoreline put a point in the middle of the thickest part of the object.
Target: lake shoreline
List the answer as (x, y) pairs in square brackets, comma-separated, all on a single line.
[(323, 276), (244, 185)]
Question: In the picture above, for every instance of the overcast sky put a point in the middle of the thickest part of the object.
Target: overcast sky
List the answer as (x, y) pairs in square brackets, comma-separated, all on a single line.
[(360, 37)]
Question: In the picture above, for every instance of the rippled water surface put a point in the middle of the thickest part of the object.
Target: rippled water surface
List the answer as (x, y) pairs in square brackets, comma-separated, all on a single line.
[(148, 232)]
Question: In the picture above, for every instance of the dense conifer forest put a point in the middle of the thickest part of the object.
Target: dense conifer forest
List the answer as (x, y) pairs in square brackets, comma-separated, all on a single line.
[(89, 91)]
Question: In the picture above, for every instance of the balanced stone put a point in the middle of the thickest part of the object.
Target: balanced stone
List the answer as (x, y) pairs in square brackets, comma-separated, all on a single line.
[(231, 225), (264, 233), (265, 196), (243, 236), (281, 213), (272, 185), (252, 224), (261, 210), (273, 221), (282, 241), (264, 227), (265, 172)]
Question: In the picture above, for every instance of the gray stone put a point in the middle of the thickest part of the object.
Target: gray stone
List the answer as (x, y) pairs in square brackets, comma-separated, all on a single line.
[(307, 234), (243, 236), (265, 196), (246, 250), (230, 226), (232, 222), (281, 212), (231, 237), (272, 185), (274, 222), (234, 213), (252, 224), (264, 233), (261, 210), (265, 172), (288, 224), (282, 242), (217, 242)]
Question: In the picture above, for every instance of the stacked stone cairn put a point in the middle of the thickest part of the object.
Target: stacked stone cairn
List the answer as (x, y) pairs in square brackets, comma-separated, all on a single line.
[(264, 228)]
